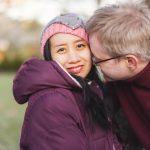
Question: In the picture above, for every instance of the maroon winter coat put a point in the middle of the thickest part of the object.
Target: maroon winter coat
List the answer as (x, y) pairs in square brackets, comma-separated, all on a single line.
[(133, 95), (55, 118)]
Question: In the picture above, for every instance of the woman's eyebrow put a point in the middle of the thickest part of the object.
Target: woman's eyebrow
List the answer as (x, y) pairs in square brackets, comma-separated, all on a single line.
[(58, 45), (80, 40)]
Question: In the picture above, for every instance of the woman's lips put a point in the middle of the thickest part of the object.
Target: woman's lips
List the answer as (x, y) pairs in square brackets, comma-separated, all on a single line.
[(75, 70)]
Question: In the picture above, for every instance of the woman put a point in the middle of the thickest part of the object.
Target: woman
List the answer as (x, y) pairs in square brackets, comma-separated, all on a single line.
[(65, 108)]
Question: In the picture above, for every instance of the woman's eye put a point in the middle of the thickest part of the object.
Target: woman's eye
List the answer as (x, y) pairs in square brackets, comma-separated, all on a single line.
[(61, 50), (81, 45)]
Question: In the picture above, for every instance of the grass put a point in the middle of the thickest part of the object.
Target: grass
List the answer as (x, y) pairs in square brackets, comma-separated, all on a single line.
[(11, 114)]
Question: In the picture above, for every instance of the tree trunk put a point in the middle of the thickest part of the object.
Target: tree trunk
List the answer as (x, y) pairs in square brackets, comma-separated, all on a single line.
[(148, 3)]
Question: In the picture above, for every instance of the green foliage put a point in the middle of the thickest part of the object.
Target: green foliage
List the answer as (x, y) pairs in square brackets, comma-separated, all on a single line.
[(11, 64), (15, 57), (11, 114)]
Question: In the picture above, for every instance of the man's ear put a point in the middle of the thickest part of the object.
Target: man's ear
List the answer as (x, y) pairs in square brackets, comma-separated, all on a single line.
[(132, 62)]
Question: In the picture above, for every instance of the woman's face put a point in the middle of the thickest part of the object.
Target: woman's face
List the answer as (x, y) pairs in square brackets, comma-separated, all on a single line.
[(72, 53)]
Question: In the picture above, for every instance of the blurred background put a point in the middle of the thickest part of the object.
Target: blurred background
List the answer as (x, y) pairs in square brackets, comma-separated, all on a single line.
[(21, 22)]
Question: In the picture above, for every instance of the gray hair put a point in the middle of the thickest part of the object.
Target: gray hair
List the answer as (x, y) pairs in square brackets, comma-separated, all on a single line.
[(122, 29)]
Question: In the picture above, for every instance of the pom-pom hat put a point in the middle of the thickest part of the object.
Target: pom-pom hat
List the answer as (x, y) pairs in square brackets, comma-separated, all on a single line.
[(68, 23)]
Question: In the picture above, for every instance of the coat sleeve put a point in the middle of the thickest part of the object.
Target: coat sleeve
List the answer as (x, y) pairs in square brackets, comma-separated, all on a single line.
[(53, 124)]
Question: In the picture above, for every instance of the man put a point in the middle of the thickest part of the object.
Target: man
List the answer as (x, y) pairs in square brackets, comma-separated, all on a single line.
[(119, 37)]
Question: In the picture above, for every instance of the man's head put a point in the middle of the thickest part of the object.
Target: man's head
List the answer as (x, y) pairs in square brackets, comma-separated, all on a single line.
[(122, 33)]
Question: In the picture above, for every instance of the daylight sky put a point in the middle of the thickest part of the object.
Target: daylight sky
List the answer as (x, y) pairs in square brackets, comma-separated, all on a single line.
[(44, 10)]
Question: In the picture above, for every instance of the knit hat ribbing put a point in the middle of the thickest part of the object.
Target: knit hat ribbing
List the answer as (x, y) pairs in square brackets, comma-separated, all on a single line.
[(68, 23)]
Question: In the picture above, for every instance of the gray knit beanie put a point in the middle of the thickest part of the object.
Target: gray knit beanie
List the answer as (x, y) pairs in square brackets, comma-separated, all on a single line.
[(68, 23)]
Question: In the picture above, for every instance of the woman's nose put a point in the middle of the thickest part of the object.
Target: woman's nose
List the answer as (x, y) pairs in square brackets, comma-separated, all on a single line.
[(74, 57)]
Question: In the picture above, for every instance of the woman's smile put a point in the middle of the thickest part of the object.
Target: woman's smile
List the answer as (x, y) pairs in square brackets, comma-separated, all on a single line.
[(75, 69)]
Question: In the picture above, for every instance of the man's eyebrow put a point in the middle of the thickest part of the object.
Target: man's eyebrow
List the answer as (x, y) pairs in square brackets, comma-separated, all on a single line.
[(96, 57)]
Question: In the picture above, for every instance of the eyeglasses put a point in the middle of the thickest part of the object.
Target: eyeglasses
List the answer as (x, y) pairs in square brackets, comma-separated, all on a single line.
[(96, 61)]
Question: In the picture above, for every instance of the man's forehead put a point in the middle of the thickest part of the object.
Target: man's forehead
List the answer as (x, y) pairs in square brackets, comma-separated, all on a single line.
[(94, 42), (93, 36), (96, 47)]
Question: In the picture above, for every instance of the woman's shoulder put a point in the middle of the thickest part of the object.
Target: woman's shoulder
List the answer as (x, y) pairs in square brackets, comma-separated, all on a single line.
[(50, 106), (57, 99)]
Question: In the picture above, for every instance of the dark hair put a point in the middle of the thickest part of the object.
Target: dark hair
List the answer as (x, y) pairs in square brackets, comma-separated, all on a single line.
[(47, 53), (94, 105)]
